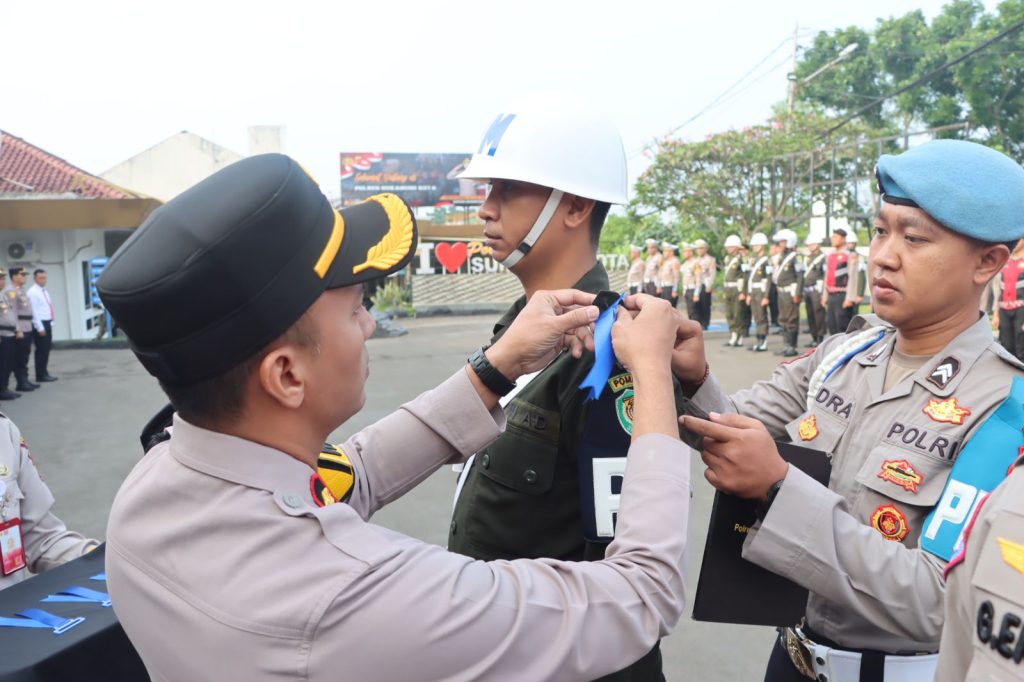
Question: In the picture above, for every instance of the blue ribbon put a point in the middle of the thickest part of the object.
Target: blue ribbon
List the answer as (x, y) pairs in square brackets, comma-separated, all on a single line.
[(37, 618), (604, 354), (102, 577), (80, 594)]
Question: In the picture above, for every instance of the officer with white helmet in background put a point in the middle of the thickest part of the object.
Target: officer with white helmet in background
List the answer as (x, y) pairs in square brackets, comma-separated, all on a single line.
[(554, 167), (735, 283), (757, 290), (789, 281)]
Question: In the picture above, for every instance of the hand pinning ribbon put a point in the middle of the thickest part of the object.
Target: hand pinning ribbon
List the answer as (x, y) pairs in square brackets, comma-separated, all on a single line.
[(604, 355)]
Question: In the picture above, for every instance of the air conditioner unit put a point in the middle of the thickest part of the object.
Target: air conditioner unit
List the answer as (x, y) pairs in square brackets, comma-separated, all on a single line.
[(23, 251)]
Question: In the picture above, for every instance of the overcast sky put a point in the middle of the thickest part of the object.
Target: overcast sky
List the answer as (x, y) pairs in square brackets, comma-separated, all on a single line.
[(97, 82)]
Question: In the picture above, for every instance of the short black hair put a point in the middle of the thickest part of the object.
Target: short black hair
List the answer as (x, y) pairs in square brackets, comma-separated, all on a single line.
[(597, 218), (221, 399), (38, 272)]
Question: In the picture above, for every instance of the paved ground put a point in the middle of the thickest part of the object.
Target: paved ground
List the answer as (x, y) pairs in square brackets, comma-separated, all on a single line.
[(83, 431)]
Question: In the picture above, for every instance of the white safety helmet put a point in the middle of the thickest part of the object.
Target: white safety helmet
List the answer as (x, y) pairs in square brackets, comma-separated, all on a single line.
[(700, 243), (668, 245), (787, 236), (851, 237), (813, 239), (733, 240), (557, 141), (758, 239)]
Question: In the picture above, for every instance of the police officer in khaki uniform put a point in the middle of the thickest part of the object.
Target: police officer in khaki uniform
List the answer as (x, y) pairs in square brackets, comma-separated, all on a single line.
[(814, 286), (757, 290), (896, 403), (32, 538), (789, 282), (17, 299), (8, 328), (690, 273), (981, 641), (668, 276), (707, 271), (651, 267), (239, 549), (734, 279), (635, 276)]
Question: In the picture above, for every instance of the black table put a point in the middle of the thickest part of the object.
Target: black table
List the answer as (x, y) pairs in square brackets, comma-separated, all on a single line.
[(97, 649)]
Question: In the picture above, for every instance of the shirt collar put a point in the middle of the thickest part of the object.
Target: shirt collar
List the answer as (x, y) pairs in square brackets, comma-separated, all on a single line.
[(238, 460), (595, 280)]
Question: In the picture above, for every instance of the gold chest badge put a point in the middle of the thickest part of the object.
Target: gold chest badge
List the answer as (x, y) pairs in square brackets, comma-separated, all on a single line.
[(809, 428), (946, 411)]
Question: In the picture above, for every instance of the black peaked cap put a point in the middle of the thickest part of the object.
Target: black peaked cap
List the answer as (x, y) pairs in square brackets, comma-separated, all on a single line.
[(223, 269)]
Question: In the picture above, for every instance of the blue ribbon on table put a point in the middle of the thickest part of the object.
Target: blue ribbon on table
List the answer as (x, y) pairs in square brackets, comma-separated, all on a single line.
[(604, 354), (80, 594), (37, 618)]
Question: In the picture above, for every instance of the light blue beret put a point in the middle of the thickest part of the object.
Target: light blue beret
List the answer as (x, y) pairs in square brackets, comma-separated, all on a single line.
[(967, 187)]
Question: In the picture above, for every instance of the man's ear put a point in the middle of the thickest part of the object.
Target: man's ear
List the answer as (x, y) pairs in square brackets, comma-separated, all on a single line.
[(579, 211), (282, 376), (991, 260)]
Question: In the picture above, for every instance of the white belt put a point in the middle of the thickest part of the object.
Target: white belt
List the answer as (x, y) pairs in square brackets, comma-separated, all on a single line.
[(732, 285), (837, 665), (844, 666)]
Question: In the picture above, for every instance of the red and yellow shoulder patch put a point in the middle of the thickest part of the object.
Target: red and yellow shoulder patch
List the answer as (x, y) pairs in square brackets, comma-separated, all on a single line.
[(890, 522), (902, 473), (946, 411)]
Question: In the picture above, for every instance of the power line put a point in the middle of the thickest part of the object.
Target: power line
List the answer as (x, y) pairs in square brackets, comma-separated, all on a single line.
[(725, 93), (934, 72)]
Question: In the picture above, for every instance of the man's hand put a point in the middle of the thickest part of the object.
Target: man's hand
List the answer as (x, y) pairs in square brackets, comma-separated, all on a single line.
[(688, 359), (645, 333), (41, 332), (847, 304), (741, 456), (696, 298), (796, 299), (765, 302), (550, 322), (742, 298), (824, 301), (19, 335)]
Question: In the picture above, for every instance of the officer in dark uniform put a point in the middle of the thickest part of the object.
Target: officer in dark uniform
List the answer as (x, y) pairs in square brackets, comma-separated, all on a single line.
[(789, 283), (734, 279), (814, 284), (758, 286), (531, 493)]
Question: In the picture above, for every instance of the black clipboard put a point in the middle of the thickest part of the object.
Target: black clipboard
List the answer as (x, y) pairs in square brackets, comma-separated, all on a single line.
[(731, 589)]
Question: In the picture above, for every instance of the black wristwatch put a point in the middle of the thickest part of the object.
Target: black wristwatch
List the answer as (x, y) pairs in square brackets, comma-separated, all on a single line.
[(773, 492), (489, 375)]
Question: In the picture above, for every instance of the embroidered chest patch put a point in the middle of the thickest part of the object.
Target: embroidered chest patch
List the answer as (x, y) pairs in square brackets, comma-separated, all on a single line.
[(902, 473), (946, 411), (890, 522)]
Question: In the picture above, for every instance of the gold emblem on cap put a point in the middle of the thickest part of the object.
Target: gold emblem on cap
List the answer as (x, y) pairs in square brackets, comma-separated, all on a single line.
[(396, 243), (330, 252)]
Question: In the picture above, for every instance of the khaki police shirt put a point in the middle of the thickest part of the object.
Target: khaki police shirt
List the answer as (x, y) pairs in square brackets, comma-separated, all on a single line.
[(982, 640), (17, 299), (868, 590), (8, 318), (45, 538), (651, 267), (221, 567), (668, 276), (635, 276), (707, 267), (691, 278)]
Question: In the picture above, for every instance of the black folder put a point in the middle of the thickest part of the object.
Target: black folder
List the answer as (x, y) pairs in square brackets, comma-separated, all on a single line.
[(730, 588)]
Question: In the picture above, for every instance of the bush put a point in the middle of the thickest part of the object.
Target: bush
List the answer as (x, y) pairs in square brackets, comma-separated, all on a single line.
[(392, 297)]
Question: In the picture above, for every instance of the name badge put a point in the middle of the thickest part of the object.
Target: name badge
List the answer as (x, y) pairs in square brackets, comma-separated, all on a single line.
[(12, 553)]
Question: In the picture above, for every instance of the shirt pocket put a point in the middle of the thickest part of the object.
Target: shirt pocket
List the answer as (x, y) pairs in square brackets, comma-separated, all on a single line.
[(898, 489), (817, 430)]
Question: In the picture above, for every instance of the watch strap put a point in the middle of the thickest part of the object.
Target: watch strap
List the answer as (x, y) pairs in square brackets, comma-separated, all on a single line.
[(489, 374)]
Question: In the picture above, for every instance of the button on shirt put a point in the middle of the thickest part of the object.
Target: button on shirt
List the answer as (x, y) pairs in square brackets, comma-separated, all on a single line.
[(222, 567)]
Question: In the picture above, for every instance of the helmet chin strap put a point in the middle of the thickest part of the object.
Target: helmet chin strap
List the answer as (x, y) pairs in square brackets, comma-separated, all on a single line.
[(536, 231)]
